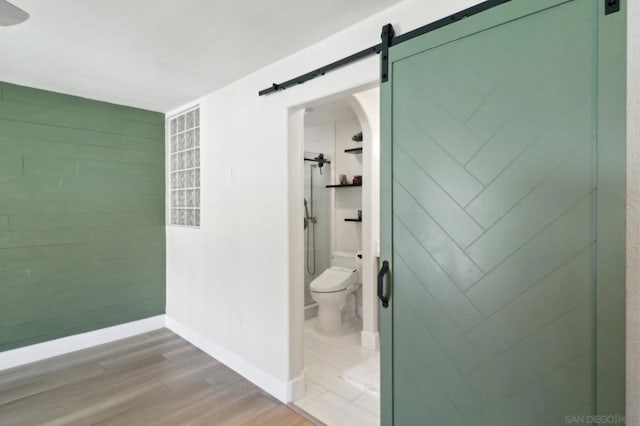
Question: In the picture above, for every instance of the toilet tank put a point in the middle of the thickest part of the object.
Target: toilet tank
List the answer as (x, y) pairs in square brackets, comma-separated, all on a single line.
[(348, 259)]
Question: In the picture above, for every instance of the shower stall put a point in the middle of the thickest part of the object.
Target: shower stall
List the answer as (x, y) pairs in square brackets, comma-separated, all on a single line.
[(317, 217)]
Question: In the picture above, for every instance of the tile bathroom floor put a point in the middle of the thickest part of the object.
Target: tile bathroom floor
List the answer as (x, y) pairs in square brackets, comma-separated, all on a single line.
[(342, 378)]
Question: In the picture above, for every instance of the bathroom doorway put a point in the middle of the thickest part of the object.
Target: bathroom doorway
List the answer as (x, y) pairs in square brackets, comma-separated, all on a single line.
[(340, 163)]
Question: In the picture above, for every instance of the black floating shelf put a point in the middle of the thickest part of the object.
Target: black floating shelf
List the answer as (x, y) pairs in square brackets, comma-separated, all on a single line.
[(353, 220), (344, 186), (354, 151)]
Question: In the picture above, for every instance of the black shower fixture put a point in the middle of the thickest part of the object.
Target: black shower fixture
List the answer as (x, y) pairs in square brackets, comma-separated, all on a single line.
[(319, 159)]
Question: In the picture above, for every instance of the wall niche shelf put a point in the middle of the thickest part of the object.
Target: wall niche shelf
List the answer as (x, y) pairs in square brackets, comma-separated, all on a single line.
[(355, 219), (354, 150), (347, 185)]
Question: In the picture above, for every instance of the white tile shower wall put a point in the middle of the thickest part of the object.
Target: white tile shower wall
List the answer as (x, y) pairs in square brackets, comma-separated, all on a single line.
[(230, 282), (319, 139)]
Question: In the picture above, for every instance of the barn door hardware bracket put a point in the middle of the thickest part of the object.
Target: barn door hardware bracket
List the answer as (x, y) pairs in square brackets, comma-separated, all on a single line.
[(387, 38), (611, 6)]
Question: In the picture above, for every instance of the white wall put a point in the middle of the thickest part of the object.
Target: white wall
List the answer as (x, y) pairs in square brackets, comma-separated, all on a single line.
[(320, 139), (229, 281), (367, 108)]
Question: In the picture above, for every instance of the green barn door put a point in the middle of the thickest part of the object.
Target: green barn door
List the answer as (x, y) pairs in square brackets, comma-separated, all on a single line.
[(503, 219)]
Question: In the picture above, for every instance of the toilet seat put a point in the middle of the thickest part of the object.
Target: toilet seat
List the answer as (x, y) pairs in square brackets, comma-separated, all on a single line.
[(334, 279)]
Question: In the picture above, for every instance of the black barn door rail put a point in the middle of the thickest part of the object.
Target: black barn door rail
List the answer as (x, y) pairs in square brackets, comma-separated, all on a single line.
[(388, 39)]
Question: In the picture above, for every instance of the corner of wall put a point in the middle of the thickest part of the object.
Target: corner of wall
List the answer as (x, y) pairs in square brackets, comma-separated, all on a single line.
[(284, 391)]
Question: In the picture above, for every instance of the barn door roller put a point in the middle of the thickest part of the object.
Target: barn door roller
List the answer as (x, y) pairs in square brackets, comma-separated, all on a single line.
[(387, 39)]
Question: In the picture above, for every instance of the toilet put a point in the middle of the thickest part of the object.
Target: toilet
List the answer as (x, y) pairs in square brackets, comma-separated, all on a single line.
[(332, 288)]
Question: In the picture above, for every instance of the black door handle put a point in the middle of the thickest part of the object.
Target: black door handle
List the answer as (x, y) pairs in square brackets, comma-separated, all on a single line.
[(382, 293)]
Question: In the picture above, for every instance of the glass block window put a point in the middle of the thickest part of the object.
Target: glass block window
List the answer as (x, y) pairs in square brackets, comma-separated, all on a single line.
[(184, 168)]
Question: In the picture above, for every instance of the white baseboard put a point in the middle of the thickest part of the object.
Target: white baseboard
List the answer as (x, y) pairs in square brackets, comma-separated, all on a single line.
[(370, 340), (39, 351), (297, 387), (282, 390)]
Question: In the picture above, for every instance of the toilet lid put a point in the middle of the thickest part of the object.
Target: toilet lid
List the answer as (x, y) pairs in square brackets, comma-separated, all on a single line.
[(335, 278)]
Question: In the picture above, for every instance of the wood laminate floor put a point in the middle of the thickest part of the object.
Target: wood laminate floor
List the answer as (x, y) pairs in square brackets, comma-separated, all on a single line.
[(151, 379)]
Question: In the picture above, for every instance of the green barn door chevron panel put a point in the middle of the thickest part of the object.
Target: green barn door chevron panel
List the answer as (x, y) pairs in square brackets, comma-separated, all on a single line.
[(82, 242), (493, 222)]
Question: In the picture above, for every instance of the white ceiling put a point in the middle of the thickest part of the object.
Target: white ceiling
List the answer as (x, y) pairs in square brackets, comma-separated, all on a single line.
[(160, 54)]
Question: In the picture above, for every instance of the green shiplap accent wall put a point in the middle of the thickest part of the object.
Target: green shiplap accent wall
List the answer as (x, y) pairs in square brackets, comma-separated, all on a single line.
[(82, 241)]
